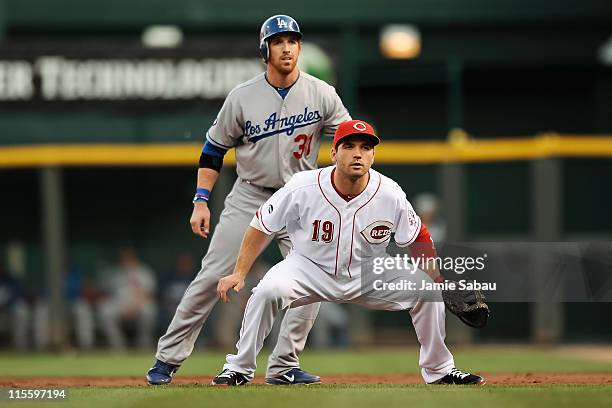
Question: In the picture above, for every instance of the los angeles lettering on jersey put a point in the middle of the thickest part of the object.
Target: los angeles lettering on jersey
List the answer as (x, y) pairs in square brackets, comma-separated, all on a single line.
[(275, 125)]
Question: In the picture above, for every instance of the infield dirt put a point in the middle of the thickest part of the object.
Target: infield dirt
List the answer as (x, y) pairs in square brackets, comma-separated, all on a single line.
[(398, 379)]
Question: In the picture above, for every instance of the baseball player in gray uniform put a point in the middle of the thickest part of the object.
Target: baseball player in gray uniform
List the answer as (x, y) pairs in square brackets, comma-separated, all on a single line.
[(275, 122)]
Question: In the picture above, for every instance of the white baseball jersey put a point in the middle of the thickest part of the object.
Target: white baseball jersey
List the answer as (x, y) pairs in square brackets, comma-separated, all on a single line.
[(336, 234), (275, 137), (331, 238)]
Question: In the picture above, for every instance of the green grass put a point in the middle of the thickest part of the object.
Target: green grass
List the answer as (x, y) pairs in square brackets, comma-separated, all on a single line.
[(485, 359), (504, 359), (339, 396)]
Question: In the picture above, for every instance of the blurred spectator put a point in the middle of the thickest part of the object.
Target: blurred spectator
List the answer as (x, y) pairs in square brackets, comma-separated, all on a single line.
[(13, 308), (427, 207), (130, 289), (79, 308), (175, 285)]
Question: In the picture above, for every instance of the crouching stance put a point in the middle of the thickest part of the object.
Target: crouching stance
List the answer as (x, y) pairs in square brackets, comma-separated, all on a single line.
[(337, 218)]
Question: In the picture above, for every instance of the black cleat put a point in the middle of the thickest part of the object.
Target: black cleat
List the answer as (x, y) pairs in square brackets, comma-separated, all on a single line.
[(228, 378), (461, 378)]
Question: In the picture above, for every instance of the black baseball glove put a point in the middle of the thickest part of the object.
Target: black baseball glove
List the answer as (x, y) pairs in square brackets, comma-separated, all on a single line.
[(468, 305)]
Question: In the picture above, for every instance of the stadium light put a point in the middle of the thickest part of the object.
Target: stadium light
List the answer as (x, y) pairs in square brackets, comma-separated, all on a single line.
[(400, 41), (162, 36), (605, 52)]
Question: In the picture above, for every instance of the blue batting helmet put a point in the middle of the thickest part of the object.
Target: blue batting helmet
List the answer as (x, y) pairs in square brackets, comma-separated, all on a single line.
[(276, 25)]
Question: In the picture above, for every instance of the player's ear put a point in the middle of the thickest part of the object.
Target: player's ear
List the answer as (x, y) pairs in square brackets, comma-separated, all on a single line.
[(299, 52), (333, 155)]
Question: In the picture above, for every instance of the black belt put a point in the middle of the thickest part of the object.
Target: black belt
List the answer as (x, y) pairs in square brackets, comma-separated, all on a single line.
[(270, 190)]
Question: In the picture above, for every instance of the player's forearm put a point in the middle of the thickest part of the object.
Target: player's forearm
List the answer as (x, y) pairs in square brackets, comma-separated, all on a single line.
[(424, 247), (253, 244), (431, 268), (207, 178)]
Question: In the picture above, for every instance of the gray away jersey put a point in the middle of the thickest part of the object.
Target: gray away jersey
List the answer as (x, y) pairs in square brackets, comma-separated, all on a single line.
[(275, 137)]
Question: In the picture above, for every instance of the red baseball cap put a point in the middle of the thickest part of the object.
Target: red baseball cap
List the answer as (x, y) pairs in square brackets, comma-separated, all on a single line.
[(355, 127)]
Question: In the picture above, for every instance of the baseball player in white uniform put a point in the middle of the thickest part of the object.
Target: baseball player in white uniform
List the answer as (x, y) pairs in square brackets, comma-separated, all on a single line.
[(275, 122), (337, 218)]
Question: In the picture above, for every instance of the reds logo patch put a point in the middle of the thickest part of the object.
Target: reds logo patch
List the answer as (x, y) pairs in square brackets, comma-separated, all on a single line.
[(377, 232)]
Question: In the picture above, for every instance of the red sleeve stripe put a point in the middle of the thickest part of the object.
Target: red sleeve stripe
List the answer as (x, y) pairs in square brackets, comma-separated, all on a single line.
[(424, 235), (425, 243)]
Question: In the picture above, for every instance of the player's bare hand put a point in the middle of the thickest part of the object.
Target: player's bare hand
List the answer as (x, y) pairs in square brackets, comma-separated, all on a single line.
[(227, 283), (200, 219)]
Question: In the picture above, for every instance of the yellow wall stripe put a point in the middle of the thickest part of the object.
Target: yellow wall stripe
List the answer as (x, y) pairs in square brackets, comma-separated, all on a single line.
[(391, 152)]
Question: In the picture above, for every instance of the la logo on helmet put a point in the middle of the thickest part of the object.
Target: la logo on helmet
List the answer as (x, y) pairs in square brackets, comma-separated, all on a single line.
[(360, 126), (281, 23)]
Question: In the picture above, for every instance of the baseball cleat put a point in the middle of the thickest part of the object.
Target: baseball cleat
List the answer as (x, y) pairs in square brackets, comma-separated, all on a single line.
[(461, 378), (229, 378), (294, 376), (161, 373)]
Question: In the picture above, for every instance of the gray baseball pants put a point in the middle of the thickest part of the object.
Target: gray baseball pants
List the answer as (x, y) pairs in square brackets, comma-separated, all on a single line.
[(201, 295)]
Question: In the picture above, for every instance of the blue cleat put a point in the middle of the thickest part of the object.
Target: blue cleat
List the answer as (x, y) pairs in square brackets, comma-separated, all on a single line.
[(294, 376), (161, 373)]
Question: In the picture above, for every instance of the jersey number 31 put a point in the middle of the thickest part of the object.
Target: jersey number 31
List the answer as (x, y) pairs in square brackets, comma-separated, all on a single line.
[(303, 147)]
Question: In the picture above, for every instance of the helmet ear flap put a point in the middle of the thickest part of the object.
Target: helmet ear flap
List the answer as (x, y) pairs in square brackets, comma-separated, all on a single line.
[(264, 50)]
